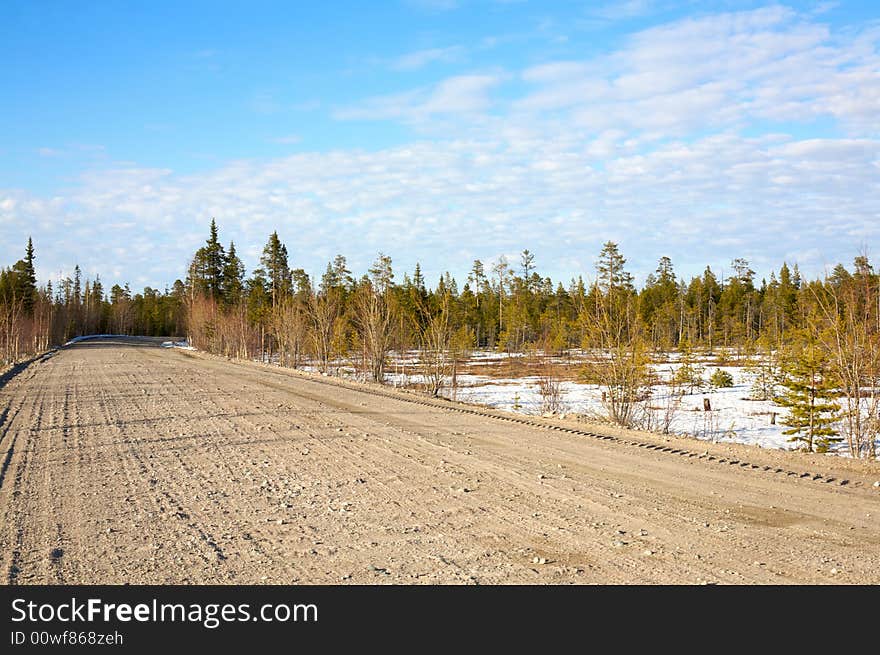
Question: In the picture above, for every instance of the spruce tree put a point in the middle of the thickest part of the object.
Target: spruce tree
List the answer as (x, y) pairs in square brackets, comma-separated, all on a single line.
[(206, 270), (689, 374), (809, 392), (328, 280), (25, 280), (274, 261), (214, 260), (77, 286), (233, 277)]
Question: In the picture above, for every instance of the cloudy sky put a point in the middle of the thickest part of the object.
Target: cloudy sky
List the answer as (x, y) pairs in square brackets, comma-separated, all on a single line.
[(439, 131)]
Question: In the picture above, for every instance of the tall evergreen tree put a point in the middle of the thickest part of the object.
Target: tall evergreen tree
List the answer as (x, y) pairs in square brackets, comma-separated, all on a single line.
[(809, 392), (206, 270), (527, 263), (381, 275), (233, 277), (336, 276), (611, 274), (215, 258), (26, 279), (418, 279), (274, 261)]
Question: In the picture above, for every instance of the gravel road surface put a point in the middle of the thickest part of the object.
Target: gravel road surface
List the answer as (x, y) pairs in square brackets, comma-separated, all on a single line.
[(125, 462)]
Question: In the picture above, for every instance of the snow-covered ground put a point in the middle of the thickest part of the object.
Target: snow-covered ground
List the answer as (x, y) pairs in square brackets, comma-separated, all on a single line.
[(735, 417), (183, 345), (92, 336)]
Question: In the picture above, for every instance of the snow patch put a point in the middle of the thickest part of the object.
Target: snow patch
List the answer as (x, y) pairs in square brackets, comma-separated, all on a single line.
[(86, 337), (182, 345)]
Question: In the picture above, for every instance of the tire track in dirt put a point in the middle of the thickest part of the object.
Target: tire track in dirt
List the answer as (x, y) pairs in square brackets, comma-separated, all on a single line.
[(316, 438), (532, 520), (391, 444), (147, 465), (408, 397), (165, 489), (12, 406), (500, 515), (328, 447), (699, 508), (16, 525), (209, 448)]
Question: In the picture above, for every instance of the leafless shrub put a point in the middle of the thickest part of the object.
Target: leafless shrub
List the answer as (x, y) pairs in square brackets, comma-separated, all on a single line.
[(671, 405), (323, 309), (374, 315), (550, 390)]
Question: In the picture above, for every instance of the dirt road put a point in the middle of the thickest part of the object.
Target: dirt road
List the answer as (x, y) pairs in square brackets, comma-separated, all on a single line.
[(126, 462)]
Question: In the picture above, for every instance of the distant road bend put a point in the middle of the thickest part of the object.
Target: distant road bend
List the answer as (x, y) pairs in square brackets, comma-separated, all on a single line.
[(126, 462)]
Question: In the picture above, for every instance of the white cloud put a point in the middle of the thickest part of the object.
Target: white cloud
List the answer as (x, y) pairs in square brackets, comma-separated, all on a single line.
[(713, 72), (446, 203), (647, 145), (462, 94), (419, 59), (717, 71)]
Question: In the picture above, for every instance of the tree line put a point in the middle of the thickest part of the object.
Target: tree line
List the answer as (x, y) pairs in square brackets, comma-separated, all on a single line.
[(34, 318), (819, 339)]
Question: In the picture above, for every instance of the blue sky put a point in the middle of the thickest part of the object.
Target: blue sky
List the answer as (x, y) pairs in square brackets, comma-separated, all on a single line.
[(439, 131)]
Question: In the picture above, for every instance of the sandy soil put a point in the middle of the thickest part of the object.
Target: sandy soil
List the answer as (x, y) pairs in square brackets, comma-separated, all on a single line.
[(125, 462)]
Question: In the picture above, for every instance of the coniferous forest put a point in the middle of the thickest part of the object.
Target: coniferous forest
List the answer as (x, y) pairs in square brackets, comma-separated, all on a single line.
[(814, 342)]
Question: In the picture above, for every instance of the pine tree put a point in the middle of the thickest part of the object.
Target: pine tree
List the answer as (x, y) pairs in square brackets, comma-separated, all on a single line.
[(336, 276), (341, 272), (302, 284), (809, 396), (381, 274), (527, 263), (610, 269), (743, 273), (665, 271), (787, 296), (477, 276), (764, 368)]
